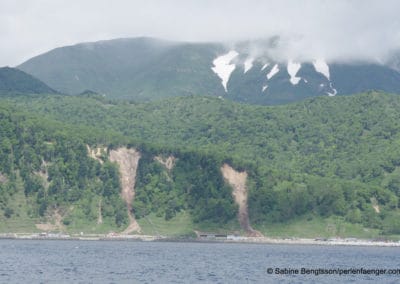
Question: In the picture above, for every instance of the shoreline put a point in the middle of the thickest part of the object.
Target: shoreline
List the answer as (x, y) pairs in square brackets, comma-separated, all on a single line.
[(238, 240)]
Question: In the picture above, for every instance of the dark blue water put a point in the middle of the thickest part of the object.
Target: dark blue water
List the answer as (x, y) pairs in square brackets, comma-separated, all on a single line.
[(29, 261)]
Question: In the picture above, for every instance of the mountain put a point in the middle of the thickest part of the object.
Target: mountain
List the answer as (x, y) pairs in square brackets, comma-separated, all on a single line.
[(14, 81), (145, 68), (140, 68)]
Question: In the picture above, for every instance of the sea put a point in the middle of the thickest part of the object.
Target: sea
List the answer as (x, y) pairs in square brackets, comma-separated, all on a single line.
[(67, 261)]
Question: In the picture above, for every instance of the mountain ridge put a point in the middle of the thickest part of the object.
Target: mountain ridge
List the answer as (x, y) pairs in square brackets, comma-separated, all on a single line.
[(146, 68), (14, 81)]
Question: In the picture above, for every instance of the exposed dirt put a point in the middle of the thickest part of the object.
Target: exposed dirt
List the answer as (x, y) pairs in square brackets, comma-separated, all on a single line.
[(3, 178), (54, 223), (43, 174), (376, 208), (375, 205), (96, 153), (99, 216), (48, 227), (238, 182), (168, 163), (127, 160), (54, 216)]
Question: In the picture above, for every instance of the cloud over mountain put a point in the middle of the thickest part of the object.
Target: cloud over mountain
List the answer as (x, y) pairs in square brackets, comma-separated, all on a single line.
[(338, 30)]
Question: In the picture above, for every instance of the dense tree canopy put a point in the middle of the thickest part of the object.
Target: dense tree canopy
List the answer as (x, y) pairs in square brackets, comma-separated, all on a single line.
[(323, 156)]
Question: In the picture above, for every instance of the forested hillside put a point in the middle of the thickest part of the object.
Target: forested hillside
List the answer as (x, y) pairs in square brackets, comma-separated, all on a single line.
[(51, 179), (14, 81), (144, 69), (45, 168), (140, 68), (318, 158)]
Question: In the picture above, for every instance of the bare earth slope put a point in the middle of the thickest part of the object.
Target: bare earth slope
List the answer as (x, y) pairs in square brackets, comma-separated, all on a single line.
[(168, 163), (238, 182), (127, 160)]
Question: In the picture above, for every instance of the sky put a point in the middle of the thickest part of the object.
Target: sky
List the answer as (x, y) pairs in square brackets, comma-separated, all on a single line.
[(335, 30)]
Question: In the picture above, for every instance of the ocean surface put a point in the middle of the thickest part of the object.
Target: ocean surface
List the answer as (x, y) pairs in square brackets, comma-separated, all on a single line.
[(46, 261)]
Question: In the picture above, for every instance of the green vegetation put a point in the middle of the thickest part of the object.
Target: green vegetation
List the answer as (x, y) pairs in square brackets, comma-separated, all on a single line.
[(14, 81), (308, 163), (312, 226), (46, 164), (194, 184), (179, 225), (192, 195), (137, 68), (144, 69), (17, 210), (49, 161)]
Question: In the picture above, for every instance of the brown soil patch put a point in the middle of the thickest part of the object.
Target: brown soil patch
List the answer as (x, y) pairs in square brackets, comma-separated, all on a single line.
[(376, 208), (54, 224), (96, 153), (168, 163), (3, 178), (238, 182), (43, 174), (375, 205), (99, 216), (127, 160)]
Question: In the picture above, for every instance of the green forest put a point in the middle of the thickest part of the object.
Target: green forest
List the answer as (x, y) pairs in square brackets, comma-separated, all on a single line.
[(317, 159)]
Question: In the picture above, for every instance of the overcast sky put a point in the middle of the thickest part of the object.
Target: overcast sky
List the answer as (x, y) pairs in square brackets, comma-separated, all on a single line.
[(331, 29)]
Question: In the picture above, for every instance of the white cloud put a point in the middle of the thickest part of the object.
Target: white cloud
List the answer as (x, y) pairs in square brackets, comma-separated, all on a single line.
[(334, 30)]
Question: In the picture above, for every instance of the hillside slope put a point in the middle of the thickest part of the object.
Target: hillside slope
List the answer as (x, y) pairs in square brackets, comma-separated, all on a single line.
[(55, 177), (321, 157), (14, 81), (143, 69)]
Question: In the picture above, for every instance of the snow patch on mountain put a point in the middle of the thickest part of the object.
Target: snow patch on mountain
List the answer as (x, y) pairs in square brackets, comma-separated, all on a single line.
[(322, 67), (293, 68), (334, 91), (223, 68), (273, 72), (264, 66), (248, 64)]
